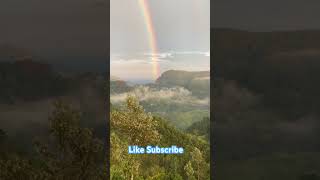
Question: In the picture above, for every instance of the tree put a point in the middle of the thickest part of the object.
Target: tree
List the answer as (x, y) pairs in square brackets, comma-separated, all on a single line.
[(189, 171), (198, 162), (74, 153), (138, 126), (131, 125), (15, 167)]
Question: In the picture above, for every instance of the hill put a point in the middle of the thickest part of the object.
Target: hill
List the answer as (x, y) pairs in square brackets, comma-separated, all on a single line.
[(153, 130), (29, 80), (118, 86), (181, 97), (196, 82)]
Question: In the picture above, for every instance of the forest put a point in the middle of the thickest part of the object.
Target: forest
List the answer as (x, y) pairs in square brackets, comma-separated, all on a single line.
[(172, 110), (132, 125), (70, 142), (69, 152)]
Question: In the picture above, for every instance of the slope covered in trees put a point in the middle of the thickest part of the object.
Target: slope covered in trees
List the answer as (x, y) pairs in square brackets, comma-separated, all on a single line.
[(131, 125), (70, 152), (180, 97), (197, 82), (29, 80)]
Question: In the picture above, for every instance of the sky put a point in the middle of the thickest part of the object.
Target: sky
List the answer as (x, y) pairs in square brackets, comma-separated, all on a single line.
[(182, 29), (77, 30), (266, 15)]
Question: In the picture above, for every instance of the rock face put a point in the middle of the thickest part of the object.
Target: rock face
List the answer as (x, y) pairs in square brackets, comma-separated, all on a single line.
[(197, 82)]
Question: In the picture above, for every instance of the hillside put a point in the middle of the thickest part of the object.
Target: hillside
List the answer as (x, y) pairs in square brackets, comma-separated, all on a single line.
[(197, 82), (29, 80), (153, 130), (181, 97), (118, 86)]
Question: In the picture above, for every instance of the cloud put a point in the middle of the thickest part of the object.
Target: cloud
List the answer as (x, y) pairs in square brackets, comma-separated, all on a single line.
[(120, 61), (177, 95), (141, 65), (160, 55), (204, 53), (186, 28)]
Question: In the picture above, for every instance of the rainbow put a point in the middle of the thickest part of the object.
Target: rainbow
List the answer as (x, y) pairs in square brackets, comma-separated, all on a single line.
[(144, 5)]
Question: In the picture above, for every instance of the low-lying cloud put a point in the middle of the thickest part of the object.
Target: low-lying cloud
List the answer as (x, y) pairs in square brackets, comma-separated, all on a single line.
[(177, 95)]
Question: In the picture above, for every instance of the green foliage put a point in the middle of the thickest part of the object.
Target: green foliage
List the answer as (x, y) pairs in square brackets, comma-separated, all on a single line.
[(199, 163), (131, 121), (17, 168), (189, 171), (139, 126), (183, 120), (197, 82), (180, 115), (118, 86), (201, 128), (72, 152)]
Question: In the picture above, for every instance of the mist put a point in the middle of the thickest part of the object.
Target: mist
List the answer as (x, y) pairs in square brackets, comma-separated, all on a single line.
[(177, 95)]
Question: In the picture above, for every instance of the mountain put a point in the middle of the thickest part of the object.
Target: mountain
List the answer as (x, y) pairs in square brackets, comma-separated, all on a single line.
[(29, 80), (118, 86), (169, 96), (153, 130), (198, 82)]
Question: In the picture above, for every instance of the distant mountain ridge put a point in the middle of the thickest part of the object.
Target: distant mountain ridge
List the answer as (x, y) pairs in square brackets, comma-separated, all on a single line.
[(198, 82), (180, 76), (117, 85), (29, 80)]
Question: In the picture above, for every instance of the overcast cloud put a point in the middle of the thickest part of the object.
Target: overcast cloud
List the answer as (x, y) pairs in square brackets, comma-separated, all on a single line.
[(182, 29), (180, 25)]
